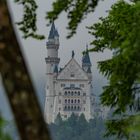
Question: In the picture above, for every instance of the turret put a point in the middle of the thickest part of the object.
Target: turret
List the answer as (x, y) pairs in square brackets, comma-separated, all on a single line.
[(86, 63), (53, 37), (52, 62), (52, 49)]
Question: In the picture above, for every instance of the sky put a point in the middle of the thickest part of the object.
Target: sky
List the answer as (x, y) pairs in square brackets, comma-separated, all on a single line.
[(35, 50)]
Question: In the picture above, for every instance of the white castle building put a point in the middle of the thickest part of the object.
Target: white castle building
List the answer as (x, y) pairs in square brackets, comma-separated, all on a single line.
[(68, 90)]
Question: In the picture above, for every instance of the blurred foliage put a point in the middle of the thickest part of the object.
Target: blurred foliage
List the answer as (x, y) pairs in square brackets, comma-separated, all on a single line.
[(127, 128), (76, 11), (28, 24), (120, 33), (3, 134)]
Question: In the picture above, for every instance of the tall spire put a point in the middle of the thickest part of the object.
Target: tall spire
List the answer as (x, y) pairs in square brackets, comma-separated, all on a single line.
[(86, 58), (53, 31)]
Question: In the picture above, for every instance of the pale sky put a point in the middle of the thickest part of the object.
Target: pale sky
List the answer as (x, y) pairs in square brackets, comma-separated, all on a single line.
[(35, 50)]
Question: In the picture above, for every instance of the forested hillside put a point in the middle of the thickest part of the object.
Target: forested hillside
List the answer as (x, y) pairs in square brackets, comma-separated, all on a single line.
[(77, 128)]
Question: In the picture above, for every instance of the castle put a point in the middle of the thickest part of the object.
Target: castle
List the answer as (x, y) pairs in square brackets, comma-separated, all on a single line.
[(68, 90)]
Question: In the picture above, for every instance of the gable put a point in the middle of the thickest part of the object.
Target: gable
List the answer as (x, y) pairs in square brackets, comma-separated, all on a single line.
[(72, 71)]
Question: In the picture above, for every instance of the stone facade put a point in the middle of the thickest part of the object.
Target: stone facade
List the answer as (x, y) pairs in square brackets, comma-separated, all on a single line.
[(68, 90)]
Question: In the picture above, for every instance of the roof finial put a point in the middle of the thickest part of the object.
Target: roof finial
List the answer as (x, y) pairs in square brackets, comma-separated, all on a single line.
[(73, 53)]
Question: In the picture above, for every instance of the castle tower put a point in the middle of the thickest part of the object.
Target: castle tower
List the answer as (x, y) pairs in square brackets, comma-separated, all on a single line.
[(86, 63), (52, 62), (86, 66)]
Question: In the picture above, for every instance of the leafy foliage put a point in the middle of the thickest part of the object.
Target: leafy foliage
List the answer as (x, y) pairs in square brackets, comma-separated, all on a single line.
[(120, 32), (28, 23), (3, 135), (126, 128), (76, 11)]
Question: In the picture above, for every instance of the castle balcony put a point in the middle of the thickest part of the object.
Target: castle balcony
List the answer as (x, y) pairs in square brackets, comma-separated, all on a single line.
[(52, 45), (52, 60), (72, 108)]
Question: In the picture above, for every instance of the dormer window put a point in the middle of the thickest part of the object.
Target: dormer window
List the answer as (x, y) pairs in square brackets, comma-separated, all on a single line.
[(72, 75)]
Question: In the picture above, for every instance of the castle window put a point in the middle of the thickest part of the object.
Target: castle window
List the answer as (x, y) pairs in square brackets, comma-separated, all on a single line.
[(65, 108), (78, 108), (75, 93), (72, 85), (78, 101), (78, 93), (65, 93), (71, 107), (72, 75), (59, 101), (68, 100), (75, 101), (72, 93), (62, 85), (65, 100), (69, 92), (72, 101)]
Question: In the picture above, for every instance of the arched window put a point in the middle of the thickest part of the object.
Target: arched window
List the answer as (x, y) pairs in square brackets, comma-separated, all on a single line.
[(78, 108), (75, 93), (65, 93), (65, 100), (65, 108), (72, 101), (72, 93), (71, 107), (74, 107), (78, 101), (75, 101), (68, 107), (68, 100), (78, 93)]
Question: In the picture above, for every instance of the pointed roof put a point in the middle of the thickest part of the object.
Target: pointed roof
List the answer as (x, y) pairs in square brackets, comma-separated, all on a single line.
[(53, 32), (56, 33), (72, 71), (86, 58), (89, 70)]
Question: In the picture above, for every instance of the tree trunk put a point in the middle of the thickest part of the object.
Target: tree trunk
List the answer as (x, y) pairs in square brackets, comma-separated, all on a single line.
[(17, 82)]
